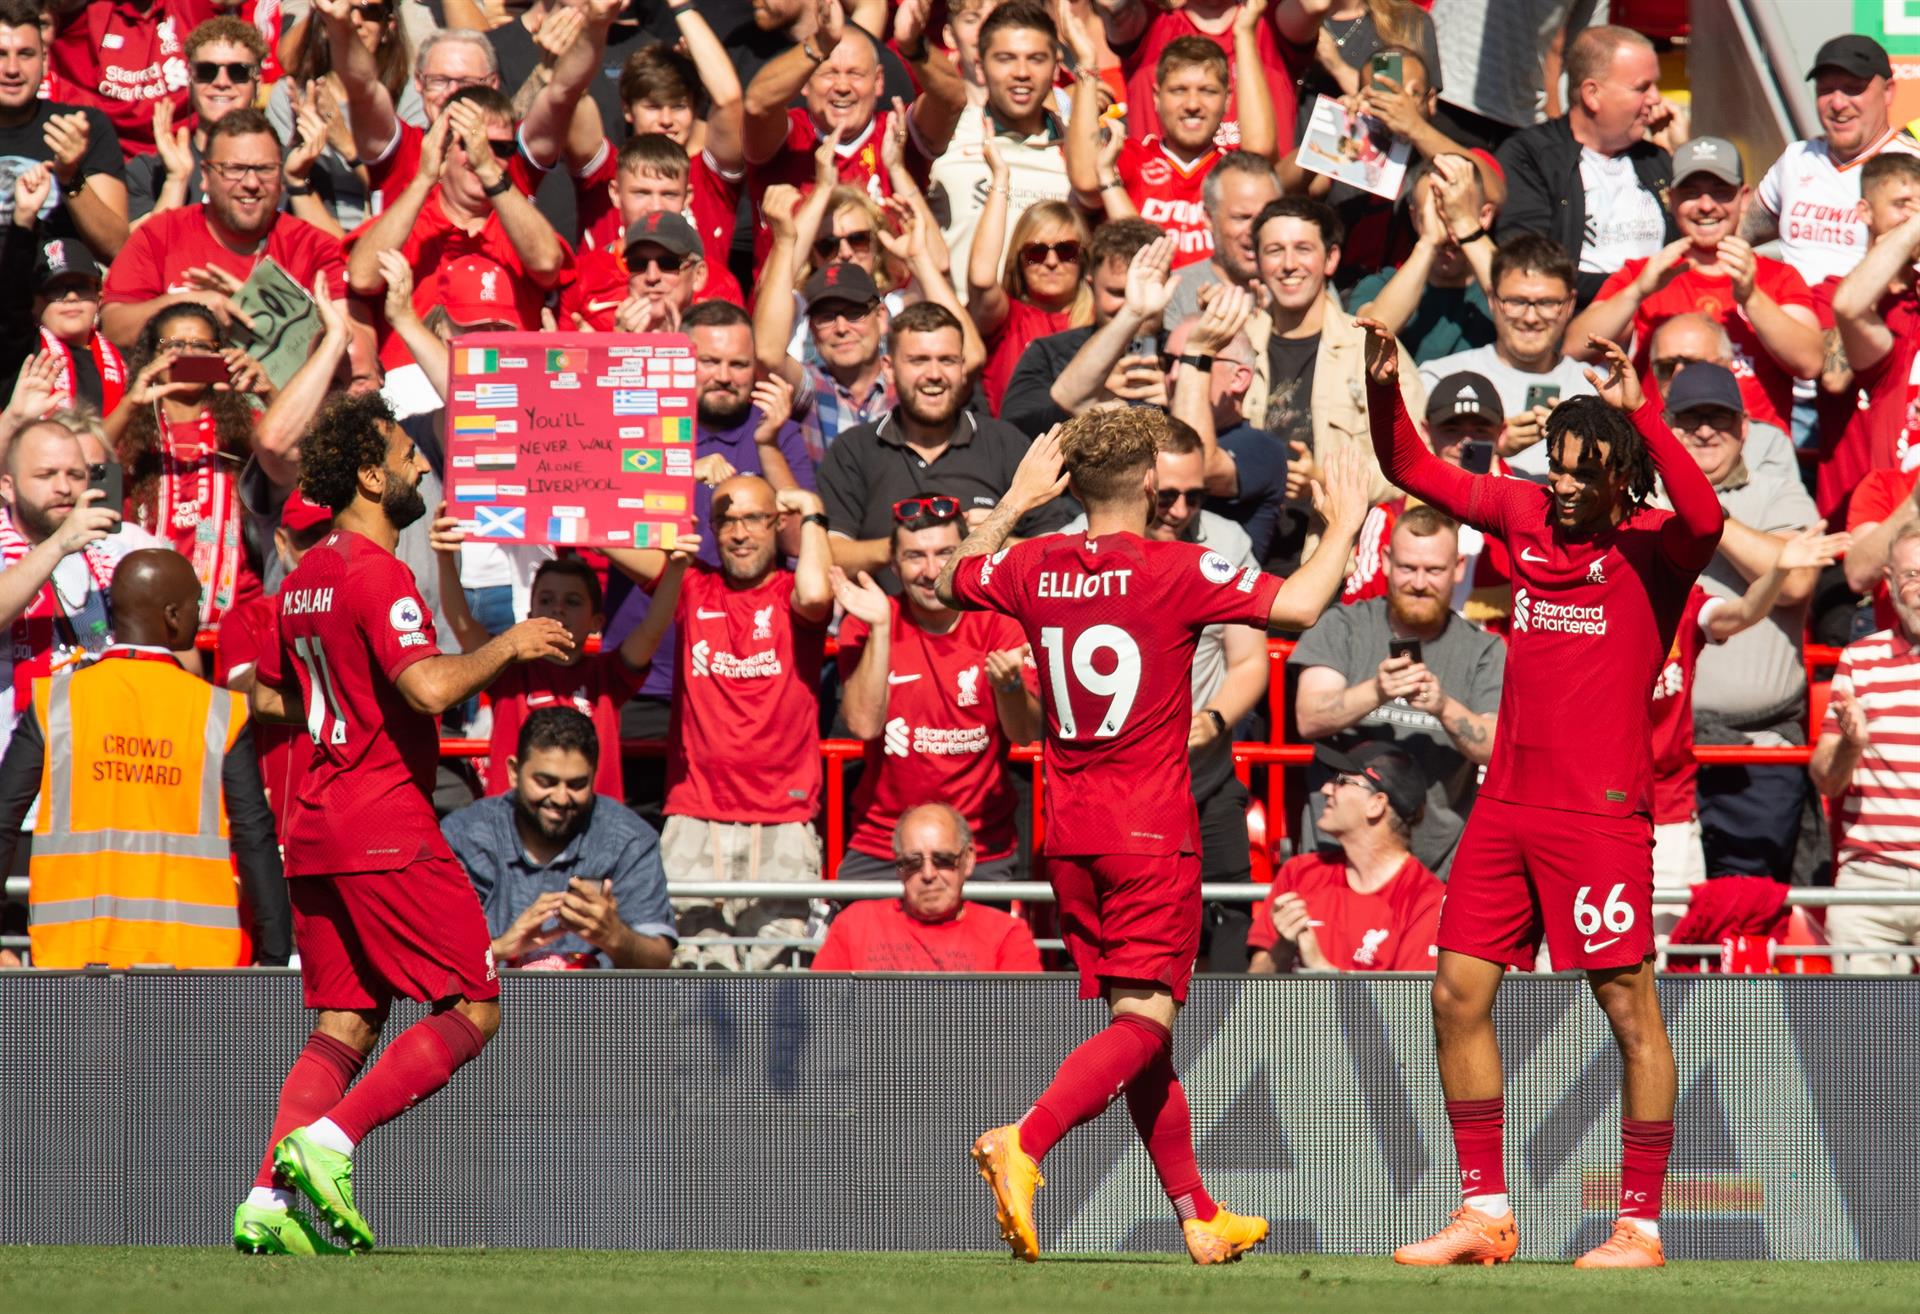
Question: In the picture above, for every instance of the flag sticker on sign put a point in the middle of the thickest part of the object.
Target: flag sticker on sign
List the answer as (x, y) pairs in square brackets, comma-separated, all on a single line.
[(473, 426), (500, 522), (479, 360), (565, 360), (566, 529), (647, 535), (636, 401), (666, 503), (494, 460), (676, 429), (493, 396), (640, 460), (475, 493)]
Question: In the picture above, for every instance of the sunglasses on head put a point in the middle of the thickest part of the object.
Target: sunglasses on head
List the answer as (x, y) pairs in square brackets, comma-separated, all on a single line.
[(205, 71), (826, 248), (939, 508), (1067, 252)]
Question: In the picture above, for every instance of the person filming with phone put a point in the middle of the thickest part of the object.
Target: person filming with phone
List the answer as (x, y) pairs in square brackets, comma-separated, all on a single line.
[(1409, 670)]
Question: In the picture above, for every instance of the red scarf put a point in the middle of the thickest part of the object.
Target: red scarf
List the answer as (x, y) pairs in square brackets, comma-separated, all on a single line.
[(37, 629), (106, 361), (196, 508)]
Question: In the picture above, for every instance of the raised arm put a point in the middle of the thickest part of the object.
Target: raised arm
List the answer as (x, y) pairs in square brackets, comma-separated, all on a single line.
[(774, 298), (1253, 106), (906, 234), (1863, 334), (987, 298), (390, 231), (1790, 334), (1037, 480), (812, 586), (1149, 289), (643, 641), (726, 119), (1612, 317), (540, 249), (1342, 502), (543, 129), (781, 79), (863, 695), (1397, 444), (1808, 551), (276, 437), (936, 111), (1224, 312), (1693, 533), (369, 107), (1082, 147)]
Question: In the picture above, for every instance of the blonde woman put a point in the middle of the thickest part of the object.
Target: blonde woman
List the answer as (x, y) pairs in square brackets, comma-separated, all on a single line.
[(1043, 287)]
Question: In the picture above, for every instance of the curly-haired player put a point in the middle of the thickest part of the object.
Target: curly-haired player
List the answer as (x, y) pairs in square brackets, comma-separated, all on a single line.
[(1561, 839), (381, 906), (1113, 618)]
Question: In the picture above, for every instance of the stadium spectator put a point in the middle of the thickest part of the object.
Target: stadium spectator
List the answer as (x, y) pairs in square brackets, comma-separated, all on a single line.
[(122, 57), (1503, 64), (928, 445), (1159, 177), (1592, 180), (1810, 197), (846, 322), (568, 877), (1684, 339), (1042, 288), (128, 866), (931, 927), (1372, 908), (75, 142), (1751, 688), (1437, 699), (665, 273), (60, 319), (1236, 189), (1763, 305), (1031, 405), (1436, 298), (223, 60), (195, 254), (1533, 296), (743, 764), (1356, 30), (1864, 760)]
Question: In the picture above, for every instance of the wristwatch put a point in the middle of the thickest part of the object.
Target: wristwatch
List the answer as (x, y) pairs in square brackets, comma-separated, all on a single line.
[(1472, 237), (1199, 361), (814, 518), (1219, 721), (498, 188)]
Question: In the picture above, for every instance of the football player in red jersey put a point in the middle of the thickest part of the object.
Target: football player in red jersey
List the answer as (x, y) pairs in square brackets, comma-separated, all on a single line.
[(1113, 618), (1561, 839), (381, 906)]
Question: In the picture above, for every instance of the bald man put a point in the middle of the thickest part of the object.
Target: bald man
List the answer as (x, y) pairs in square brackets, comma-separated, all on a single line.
[(1683, 339), (743, 771), (151, 748)]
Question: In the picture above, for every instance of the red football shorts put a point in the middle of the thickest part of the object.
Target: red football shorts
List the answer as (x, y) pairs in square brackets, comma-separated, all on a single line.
[(1129, 917), (417, 931), (1584, 880)]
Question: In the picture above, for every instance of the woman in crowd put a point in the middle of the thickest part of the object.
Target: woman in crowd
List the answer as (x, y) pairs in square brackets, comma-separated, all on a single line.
[(62, 316), (1043, 288)]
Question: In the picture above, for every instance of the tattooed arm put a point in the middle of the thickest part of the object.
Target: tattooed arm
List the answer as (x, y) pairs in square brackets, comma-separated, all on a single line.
[(1039, 479)]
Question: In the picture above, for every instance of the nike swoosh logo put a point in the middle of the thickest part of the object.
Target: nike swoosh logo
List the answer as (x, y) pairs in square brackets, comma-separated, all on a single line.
[(1593, 948), (1535, 557), (703, 614), (901, 679)]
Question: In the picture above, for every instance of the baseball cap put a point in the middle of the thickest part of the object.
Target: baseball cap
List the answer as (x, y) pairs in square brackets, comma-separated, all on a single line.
[(1859, 55), (476, 290), (841, 281), (1389, 768), (1704, 383), (63, 257), (298, 515), (1710, 155), (1465, 393), (665, 229)]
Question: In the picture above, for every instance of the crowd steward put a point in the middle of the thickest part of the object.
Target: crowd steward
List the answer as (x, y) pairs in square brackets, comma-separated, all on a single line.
[(901, 240)]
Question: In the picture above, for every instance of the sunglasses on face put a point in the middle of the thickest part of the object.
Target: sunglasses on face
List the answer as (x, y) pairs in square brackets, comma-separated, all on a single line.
[(939, 508), (378, 12), (1036, 253), (826, 248), (666, 262), (1666, 367), (909, 864), (824, 316), (206, 72), (1166, 497)]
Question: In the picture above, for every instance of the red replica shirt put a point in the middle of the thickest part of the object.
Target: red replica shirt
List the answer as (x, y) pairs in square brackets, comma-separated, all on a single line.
[(1877, 497), (1764, 386), (389, 175), (1023, 324), (713, 203), (351, 621), (125, 56), (595, 686), (1284, 62), (167, 244), (1389, 930), (877, 935), (1113, 622), (744, 739), (943, 738), (1878, 428), (1674, 767), (596, 286), (247, 634), (858, 161), (1167, 192)]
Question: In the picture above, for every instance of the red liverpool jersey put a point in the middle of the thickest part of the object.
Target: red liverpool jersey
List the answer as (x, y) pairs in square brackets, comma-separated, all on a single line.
[(351, 621), (1113, 622), (1167, 192), (878, 936), (1674, 768), (1389, 930), (857, 161)]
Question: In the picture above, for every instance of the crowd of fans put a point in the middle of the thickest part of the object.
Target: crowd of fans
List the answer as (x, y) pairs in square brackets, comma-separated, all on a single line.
[(903, 240)]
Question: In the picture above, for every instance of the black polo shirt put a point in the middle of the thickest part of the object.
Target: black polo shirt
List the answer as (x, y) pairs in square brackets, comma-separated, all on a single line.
[(869, 468)]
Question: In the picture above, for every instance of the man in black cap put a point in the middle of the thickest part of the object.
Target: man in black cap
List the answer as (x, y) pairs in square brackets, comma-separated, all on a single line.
[(1809, 197), (849, 385), (62, 320), (666, 266), (1369, 906)]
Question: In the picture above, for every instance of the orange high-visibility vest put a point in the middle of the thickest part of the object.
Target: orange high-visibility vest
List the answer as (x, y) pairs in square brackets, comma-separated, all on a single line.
[(131, 859)]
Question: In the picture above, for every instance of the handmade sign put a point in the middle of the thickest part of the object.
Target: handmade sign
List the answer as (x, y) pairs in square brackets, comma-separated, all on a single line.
[(285, 321), (573, 439)]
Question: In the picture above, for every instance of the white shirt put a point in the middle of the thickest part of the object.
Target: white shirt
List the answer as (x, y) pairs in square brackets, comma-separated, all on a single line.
[(1036, 171), (1624, 219), (1815, 202), (1569, 376)]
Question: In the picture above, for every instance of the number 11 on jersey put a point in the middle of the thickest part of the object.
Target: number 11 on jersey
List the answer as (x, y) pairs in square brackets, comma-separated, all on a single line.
[(1119, 685), (322, 701)]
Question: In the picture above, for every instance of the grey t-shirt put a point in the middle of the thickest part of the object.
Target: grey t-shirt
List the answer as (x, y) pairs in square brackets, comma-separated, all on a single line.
[(1469, 663), (1569, 376)]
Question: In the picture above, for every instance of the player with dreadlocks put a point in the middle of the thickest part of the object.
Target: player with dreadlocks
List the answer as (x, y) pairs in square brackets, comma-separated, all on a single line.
[(1561, 838)]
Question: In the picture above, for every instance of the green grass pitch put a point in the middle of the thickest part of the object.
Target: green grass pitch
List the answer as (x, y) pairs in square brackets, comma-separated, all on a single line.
[(55, 1280)]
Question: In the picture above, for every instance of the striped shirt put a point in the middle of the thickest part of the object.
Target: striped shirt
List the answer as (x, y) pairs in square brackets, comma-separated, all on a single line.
[(1879, 816)]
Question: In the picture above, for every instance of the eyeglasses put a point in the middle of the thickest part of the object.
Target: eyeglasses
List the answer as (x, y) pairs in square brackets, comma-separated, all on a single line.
[(909, 864), (1036, 253), (822, 316), (859, 241), (1547, 306), (1715, 423), (1665, 367), (1166, 497), (378, 12), (206, 71), (666, 262), (754, 520), (939, 508), (1905, 577), (188, 346), (436, 82), (233, 173)]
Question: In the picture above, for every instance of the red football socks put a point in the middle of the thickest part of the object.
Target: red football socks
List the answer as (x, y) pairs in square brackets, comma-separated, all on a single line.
[(1158, 1106), (315, 1083), (1477, 1127), (1644, 1149), (1091, 1078), (421, 1060)]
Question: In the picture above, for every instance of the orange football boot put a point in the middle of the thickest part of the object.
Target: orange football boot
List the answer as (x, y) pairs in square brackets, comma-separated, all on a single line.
[(1471, 1238), (1014, 1177), (1628, 1247), (1224, 1238)]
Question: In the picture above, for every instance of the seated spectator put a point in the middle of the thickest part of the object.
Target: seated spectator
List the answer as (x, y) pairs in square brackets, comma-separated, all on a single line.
[(1865, 759), (1438, 703), (1591, 180), (61, 318), (1533, 285), (1372, 908), (931, 927), (1435, 300), (912, 672), (223, 60), (1685, 339), (569, 879), (743, 763), (1236, 189), (1043, 287), (195, 254), (76, 142), (1876, 316), (1030, 404), (928, 445), (1159, 177), (122, 59), (1763, 305)]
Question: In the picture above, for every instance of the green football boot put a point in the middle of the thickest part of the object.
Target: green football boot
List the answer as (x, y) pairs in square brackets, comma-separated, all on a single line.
[(258, 1230), (325, 1177)]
